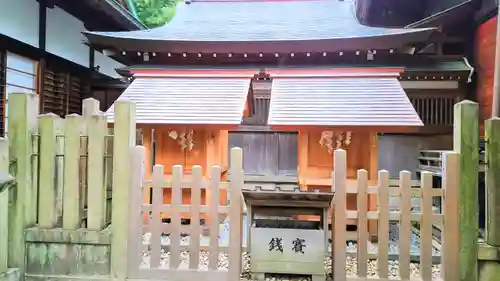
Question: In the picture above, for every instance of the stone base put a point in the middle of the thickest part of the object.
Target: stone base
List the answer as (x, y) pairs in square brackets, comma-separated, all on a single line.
[(12, 274)]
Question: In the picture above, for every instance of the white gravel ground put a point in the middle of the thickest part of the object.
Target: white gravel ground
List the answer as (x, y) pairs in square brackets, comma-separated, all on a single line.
[(351, 262)]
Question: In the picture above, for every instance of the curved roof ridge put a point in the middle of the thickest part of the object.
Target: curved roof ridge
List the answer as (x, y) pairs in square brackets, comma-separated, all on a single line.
[(260, 21)]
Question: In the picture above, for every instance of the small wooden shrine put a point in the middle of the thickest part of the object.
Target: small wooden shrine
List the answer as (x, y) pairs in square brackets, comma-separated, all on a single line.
[(287, 86)]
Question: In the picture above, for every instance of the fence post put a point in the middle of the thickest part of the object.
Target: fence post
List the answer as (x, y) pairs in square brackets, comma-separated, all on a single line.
[(4, 206), (492, 127), (123, 144), (235, 213), (339, 215), (450, 253), (23, 110), (71, 193), (466, 143), (490, 270), (97, 189), (48, 151)]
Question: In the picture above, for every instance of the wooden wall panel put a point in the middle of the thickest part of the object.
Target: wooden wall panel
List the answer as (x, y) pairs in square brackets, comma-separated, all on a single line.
[(485, 63), (320, 162)]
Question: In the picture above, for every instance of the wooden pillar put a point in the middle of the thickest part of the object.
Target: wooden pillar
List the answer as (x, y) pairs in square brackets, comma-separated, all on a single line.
[(466, 143)]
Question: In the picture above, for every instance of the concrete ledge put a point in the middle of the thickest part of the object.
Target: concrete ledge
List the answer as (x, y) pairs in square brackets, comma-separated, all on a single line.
[(12, 274), (488, 253), (58, 235)]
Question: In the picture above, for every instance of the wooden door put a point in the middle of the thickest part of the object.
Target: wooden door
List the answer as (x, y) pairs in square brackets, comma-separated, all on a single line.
[(267, 155)]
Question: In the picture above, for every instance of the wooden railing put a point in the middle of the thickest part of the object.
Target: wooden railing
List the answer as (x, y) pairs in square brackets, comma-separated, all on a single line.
[(432, 161)]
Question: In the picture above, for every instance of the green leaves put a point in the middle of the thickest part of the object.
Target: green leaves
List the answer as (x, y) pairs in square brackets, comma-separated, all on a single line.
[(154, 13)]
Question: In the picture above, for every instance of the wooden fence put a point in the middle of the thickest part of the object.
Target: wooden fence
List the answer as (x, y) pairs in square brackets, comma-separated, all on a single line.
[(82, 169), (147, 259), (58, 164), (426, 217), (63, 175)]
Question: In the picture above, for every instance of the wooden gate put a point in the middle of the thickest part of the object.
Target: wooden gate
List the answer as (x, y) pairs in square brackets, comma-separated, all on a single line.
[(170, 250), (402, 217)]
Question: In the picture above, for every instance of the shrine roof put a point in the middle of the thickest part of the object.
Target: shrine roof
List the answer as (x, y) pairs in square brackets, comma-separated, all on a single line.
[(288, 26)]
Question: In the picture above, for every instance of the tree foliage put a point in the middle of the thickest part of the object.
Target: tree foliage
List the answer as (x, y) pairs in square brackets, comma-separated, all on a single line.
[(154, 13)]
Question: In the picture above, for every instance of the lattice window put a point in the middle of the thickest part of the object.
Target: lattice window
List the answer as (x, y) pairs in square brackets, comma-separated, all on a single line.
[(434, 108), (54, 91), (63, 93), (75, 95)]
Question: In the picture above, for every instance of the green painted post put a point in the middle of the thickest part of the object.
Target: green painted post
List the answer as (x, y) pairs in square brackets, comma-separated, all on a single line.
[(22, 116), (466, 143), (492, 127), (123, 143), (489, 270), (4, 205)]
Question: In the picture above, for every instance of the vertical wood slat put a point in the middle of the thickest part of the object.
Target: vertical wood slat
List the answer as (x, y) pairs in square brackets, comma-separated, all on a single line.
[(22, 116), (339, 215), (362, 256), (235, 213), (71, 193), (213, 255), (90, 107), (123, 144), (48, 149), (175, 221), (383, 229), (96, 206), (155, 218), (135, 207), (59, 169), (426, 227), (405, 225), (194, 247), (4, 207), (450, 245)]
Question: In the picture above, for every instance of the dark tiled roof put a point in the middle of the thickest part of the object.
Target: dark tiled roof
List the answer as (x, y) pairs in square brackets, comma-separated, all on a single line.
[(259, 21)]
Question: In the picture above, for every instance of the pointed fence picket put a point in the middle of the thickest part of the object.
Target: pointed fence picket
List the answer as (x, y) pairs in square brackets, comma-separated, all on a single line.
[(148, 258), (404, 217)]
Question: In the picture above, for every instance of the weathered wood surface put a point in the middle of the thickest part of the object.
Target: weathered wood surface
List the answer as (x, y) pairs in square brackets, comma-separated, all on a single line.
[(492, 235), (466, 143), (62, 254), (6, 182), (124, 141), (425, 216), (23, 110)]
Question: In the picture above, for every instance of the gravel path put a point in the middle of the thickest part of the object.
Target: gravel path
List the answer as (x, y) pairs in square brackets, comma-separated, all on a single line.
[(351, 262)]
